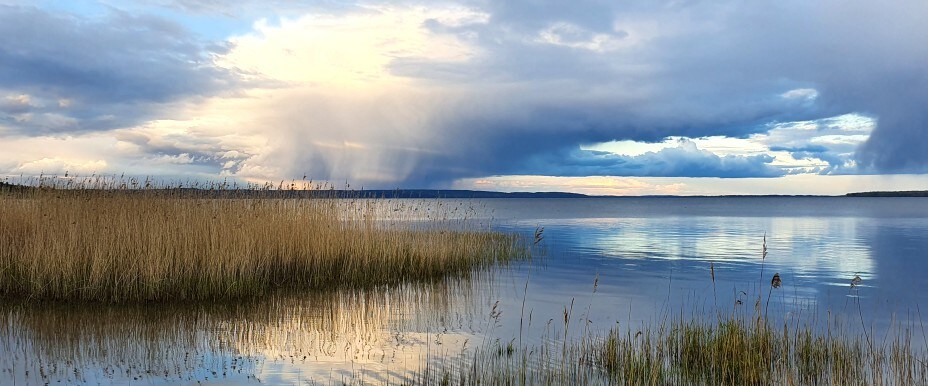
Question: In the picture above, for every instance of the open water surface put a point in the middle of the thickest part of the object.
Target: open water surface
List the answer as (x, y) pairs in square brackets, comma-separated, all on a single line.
[(635, 262)]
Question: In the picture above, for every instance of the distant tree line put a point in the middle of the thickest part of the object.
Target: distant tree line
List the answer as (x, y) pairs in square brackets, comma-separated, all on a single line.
[(909, 193)]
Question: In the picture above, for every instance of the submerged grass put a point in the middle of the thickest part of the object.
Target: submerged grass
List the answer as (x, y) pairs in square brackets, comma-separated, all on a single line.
[(114, 241)]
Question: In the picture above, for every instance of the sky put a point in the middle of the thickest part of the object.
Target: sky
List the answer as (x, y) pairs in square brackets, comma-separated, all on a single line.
[(600, 97)]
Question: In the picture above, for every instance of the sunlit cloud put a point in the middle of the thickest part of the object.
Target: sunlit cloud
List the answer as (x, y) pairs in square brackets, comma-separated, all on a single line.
[(825, 146), (352, 50)]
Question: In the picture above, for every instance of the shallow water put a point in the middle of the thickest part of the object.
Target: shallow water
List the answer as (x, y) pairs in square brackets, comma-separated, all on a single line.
[(635, 262)]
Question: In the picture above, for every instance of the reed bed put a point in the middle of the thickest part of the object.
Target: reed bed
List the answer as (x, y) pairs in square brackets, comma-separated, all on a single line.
[(731, 351), (119, 240)]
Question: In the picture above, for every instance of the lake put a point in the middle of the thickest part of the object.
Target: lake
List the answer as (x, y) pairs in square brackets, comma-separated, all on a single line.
[(631, 262)]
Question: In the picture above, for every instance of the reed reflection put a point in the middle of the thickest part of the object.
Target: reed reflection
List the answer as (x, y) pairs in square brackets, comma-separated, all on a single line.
[(287, 335)]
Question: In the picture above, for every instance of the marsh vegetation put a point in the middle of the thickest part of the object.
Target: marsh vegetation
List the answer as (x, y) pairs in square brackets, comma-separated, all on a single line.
[(117, 240), (693, 351)]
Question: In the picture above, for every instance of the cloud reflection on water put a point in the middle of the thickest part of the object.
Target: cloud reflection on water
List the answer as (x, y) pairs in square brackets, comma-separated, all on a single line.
[(651, 258)]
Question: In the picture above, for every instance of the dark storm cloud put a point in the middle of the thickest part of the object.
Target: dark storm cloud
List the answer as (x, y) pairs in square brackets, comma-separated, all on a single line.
[(554, 98), (98, 74), (508, 133), (900, 142), (723, 68), (861, 56)]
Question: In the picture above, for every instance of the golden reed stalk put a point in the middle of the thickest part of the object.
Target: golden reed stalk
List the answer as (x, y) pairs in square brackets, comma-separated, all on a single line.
[(111, 242)]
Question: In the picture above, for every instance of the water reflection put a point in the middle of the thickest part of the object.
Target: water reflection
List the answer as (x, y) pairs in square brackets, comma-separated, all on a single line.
[(805, 247), (650, 259), (378, 333), (657, 259)]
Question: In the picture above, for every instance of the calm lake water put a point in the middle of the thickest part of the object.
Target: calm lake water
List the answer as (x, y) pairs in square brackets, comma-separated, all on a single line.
[(635, 262)]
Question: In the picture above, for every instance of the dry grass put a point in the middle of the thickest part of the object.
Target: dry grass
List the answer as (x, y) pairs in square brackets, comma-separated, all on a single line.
[(120, 240)]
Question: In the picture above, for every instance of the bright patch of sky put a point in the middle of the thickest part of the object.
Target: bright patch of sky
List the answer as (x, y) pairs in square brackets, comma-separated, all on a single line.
[(797, 184)]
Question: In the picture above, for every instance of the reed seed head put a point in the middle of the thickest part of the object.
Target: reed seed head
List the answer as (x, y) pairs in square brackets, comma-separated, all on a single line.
[(856, 281)]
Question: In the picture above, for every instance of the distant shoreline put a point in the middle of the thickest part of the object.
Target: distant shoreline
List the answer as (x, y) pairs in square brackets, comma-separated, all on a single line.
[(909, 193), (466, 194)]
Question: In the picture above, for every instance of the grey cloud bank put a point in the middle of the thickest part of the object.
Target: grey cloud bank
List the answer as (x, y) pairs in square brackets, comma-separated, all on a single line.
[(99, 73), (547, 78)]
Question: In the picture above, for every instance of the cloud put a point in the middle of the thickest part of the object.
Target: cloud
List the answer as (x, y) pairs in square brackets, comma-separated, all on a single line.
[(724, 69), (898, 143), (823, 146), (240, 8), (833, 141), (569, 35), (808, 149), (417, 95), (59, 166), (861, 58), (683, 160), (90, 74), (16, 104), (808, 94)]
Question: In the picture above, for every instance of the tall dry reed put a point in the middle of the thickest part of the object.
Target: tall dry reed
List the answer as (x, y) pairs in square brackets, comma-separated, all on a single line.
[(125, 240)]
